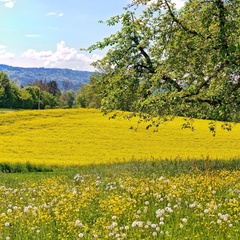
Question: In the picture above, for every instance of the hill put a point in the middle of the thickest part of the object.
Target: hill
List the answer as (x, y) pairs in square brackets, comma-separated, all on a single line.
[(85, 136), (66, 78)]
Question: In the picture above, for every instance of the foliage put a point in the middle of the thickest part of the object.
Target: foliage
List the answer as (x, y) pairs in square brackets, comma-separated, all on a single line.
[(166, 61), (127, 201), (23, 168), (50, 87), (4, 90), (67, 99), (13, 96), (66, 137), (90, 95)]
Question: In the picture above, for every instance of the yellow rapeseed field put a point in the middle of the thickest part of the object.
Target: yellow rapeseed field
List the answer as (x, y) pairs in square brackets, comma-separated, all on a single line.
[(86, 136)]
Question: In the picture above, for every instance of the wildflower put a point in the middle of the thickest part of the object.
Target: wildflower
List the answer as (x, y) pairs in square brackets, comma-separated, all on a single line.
[(7, 238), (126, 227), (7, 224), (80, 235), (153, 225), (184, 220), (78, 223), (168, 209), (137, 223), (219, 221), (181, 225), (114, 217), (154, 234), (206, 210), (159, 213)]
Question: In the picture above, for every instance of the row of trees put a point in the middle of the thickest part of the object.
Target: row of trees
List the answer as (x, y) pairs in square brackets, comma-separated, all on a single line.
[(42, 94)]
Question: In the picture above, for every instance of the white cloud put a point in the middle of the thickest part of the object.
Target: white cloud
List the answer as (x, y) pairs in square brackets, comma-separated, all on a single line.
[(64, 56), (7, 3), (55, 14), (4, 54)]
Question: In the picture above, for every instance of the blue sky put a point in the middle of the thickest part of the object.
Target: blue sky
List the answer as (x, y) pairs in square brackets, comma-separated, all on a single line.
[(49, 33)]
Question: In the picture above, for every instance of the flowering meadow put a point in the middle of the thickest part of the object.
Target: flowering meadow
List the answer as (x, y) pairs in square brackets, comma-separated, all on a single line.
[(137, 200), (85, 136), (80, 175)]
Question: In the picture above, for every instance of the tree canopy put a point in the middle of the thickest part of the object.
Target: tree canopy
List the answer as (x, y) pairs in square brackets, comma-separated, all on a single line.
[(168, 61)]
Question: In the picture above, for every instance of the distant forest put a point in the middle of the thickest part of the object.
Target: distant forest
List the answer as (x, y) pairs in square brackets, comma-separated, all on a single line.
[(42, 93)]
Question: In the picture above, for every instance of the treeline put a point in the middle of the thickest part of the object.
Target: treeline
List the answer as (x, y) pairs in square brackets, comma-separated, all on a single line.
[(43, 95)]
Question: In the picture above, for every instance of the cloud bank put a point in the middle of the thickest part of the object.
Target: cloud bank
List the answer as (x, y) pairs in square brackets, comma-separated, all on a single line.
[(64, 56), (7, 3)]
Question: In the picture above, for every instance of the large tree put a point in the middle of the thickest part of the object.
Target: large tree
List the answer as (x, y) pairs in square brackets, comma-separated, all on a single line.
[(168, 61)]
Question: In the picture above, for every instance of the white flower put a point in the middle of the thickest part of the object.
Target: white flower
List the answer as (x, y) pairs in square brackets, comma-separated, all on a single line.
[(78, 223), (153, 225), (168, 209), (114, 217), (219, 221), (80, 235), (206, 210), (184, 219), (159, 213), (7, 224), (154, 234)]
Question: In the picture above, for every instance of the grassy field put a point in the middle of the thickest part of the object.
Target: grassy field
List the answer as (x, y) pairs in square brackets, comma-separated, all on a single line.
[(79, 137), (81, 178)]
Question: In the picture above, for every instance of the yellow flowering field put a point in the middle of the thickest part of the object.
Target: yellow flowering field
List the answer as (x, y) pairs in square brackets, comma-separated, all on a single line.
[(85, 136), (108, 203)]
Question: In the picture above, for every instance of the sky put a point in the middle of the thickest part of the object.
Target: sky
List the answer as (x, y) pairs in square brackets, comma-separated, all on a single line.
[(50, 33)]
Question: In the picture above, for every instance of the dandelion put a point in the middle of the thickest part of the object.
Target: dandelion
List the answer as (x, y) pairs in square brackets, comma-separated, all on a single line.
[(159, 213), (7, 224), (80, 235), (184, 220), (219, 221), (154, 234), (153, 225), (206, 211)]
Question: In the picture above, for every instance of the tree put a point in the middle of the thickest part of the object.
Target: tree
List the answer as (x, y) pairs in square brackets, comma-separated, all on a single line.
[(5, 90), (41, 98), (67, 99), (90, 95), (166, 61)]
